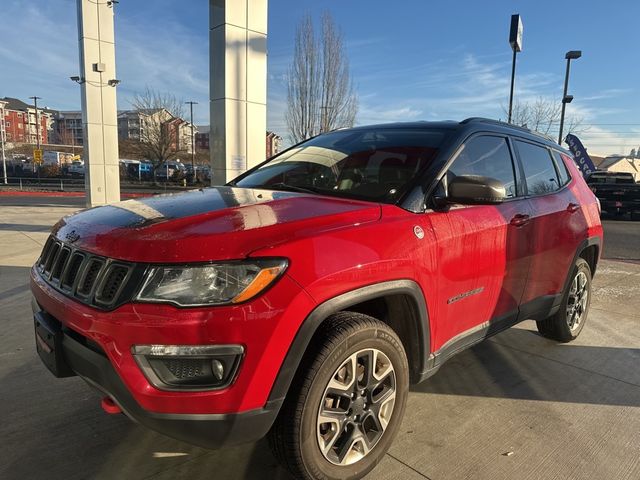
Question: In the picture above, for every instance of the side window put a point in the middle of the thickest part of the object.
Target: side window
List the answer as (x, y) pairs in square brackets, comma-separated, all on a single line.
[(540, 174), (486, 156), (563, 173)]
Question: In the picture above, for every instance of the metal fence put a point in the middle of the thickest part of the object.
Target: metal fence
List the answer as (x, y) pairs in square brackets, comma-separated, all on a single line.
[(68, 184)]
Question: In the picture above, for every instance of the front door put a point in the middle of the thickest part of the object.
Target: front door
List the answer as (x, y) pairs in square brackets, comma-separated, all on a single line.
[(482, 250)]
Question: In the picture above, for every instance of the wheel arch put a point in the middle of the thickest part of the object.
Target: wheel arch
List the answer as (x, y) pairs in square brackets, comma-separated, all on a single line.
[(591, 253), (589, 250), (389, 300)]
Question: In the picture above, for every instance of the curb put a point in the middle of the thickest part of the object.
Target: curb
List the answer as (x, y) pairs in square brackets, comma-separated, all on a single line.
[(18, 193)]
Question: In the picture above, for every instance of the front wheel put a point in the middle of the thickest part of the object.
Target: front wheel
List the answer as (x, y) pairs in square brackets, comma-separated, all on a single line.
[(567, 323), (347, 402)]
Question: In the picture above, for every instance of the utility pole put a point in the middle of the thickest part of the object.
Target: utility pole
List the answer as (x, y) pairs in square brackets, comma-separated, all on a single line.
[(193, 143), (35, 104), (3, 137)]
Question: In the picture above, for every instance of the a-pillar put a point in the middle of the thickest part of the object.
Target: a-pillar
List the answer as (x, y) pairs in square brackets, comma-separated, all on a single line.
[(99, 110), (238, 86)]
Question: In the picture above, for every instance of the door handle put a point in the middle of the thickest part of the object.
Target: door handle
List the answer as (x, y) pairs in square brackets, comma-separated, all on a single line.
[(520, 219), (573, 207)]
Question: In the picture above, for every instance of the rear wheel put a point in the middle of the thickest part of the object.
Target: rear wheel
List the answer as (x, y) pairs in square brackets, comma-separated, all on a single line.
[(567, 323), (347, 402)]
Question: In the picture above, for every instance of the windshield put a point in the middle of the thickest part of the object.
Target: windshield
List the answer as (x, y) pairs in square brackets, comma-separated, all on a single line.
[(372, 164)]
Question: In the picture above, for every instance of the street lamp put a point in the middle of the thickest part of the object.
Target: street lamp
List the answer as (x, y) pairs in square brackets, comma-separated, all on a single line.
[(570, 55), (193, 146)]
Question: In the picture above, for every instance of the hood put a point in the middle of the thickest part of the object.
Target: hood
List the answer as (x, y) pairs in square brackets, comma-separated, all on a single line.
[(217, 223)]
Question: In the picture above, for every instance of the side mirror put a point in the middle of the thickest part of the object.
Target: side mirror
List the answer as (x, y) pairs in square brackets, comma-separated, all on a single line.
[(476, 190)]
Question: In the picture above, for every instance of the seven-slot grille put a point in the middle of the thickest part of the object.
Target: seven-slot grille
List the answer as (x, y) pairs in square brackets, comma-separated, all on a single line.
[(91, 279)]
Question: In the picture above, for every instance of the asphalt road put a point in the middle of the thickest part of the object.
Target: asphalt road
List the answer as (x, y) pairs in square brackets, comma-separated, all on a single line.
[(622, 236), (621, 239)]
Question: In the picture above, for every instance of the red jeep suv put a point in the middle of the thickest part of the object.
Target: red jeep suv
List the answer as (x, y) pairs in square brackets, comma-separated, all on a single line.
[(302, 299)]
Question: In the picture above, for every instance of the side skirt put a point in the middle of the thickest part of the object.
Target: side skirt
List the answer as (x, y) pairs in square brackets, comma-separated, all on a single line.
[(537, 309)]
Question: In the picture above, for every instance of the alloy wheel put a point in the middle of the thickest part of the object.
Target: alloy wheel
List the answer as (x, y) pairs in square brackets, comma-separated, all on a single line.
[(577, 300), (356, 407)]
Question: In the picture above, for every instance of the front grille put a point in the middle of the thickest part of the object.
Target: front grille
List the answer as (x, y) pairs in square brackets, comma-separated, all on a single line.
[(51, 257), (60, 262), (92, 279), (90, 275), (73, 268), (112, 283)]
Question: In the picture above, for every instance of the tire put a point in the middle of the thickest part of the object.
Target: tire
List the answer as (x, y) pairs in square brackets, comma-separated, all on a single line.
[(567, 323), (309, 448)]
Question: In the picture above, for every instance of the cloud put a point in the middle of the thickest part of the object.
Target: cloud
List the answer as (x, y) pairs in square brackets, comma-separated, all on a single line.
[(159, 52), (164, 46), (368, 114)]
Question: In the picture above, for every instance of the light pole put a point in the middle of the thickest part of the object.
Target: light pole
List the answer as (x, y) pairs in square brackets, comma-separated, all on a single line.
[(570, 55), (515, 40), (193, 144), (35, 105)]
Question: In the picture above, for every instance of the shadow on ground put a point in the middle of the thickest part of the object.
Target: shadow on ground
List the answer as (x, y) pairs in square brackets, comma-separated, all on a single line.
[(520, 364), (60, 431)]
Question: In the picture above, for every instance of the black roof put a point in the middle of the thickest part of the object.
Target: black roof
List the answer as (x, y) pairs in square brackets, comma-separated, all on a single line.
[(446, 124), (20, 106), (507, 126), (490, 124), (15, 104)]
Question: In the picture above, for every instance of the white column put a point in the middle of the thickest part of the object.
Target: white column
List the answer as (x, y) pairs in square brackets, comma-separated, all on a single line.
[(99, 110), (238, 86)]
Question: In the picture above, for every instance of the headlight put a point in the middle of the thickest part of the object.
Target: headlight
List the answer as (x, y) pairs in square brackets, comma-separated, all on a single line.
[(211, 284)]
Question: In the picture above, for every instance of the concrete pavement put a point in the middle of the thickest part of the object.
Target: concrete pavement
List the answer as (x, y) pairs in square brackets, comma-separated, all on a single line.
[(516, 406)]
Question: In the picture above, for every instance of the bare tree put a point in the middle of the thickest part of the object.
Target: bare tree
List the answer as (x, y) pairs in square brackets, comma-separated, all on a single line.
[(159, 114), (320, 93), (543, 115)]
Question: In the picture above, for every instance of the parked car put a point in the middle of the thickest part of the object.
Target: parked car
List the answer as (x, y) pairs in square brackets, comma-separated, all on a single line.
[(302, 299), (173, 169), (618, 192), (76, 169)]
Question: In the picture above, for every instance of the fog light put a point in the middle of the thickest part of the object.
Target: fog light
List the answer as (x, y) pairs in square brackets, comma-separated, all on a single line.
[(218, 368), (189, 367)]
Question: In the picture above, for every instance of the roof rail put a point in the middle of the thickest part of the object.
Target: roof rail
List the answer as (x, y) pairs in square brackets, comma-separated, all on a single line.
[(508, 125)]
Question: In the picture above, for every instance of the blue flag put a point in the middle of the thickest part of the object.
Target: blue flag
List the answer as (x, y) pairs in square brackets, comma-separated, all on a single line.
[(583, 160)]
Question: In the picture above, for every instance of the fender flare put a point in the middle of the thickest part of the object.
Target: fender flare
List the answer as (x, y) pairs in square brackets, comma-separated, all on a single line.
[(343, 301), (586, 243)]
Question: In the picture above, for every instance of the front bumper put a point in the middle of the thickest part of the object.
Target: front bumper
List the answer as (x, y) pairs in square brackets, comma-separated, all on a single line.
[(205, 430), (241, 412)]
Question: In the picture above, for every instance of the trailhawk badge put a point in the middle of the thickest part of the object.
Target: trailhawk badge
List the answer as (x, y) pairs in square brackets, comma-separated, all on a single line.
[(419, 232)]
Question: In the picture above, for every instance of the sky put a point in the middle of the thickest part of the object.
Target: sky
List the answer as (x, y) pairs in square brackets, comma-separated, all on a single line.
[(409, 60)]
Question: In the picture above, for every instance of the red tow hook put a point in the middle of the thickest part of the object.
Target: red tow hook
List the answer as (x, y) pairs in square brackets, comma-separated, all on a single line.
[(109, 406)]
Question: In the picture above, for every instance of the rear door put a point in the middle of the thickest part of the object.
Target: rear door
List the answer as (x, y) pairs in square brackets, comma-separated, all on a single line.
[(482, 250), (557, 225)]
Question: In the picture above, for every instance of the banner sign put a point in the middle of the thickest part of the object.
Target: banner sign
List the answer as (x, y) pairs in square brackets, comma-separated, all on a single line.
[(583, 160)]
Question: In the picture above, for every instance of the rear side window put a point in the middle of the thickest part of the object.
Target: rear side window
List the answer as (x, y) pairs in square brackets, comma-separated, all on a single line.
[(486, 156), (539, 172), (563, 173)]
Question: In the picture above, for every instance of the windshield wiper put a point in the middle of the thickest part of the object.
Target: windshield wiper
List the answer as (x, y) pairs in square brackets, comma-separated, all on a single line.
[(292, 188)]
